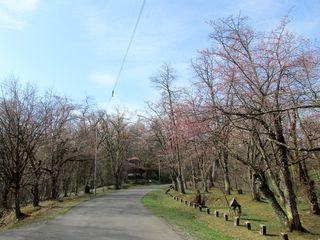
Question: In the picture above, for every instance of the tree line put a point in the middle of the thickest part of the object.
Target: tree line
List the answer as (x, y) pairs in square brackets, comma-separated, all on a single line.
[(48, 146), (249, 120)]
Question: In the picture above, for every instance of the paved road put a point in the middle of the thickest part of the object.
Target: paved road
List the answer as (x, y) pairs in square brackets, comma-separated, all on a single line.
[(116, 216)]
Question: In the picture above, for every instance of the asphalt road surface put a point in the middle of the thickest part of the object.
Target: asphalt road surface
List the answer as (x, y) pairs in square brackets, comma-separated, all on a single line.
[(120, 215)]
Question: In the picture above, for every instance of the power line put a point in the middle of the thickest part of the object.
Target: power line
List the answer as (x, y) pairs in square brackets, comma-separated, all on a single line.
[(128, 48)]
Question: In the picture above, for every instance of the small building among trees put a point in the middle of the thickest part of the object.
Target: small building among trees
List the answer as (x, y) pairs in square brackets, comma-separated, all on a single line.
[(135, 170)]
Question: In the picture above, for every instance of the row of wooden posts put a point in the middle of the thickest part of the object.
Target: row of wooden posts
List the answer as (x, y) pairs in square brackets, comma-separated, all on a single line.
[(263, 228)]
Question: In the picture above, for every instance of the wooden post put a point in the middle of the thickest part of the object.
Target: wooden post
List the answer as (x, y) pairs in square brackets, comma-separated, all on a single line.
[(284, 236), (263, 229), (248, 225), (216, 213), (226, 217), (200, 208), (194, 205), (236, 221), (208, 210)]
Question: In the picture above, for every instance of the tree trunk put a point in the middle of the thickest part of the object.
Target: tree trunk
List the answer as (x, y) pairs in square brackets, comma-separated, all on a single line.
[(213, 175), (175, 184), (205, 185), (227, 187), (204, 178), (66, 186), (313, 198), (184, 182), (36, 194), (291, 206), (307, 183), (180, 174), (4, 197), (65, 191), (17, 208), (225, 166), (211, 181), (180, 186), (255, 194), (269, 195), (193, 176), (117, 182), (174, 179), (289, 194), (76, 188), (309, 189), (275, 186), (54, 187)]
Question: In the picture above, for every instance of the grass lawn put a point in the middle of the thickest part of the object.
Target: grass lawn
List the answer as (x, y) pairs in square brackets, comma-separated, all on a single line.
[(173, 212), (204, 226)]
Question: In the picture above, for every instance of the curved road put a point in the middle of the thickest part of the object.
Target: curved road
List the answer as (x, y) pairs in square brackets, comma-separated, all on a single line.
[(119, 215)]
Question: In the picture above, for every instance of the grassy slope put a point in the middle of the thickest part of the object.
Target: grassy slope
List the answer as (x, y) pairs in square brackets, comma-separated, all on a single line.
[(210, 227), (188, 221)]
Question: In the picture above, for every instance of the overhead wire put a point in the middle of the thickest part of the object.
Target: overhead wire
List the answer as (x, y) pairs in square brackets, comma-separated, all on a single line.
[(127, 50)]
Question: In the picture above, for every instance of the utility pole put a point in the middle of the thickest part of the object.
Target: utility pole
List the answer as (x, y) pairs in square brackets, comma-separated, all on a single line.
[(159, 171), (95, 160)]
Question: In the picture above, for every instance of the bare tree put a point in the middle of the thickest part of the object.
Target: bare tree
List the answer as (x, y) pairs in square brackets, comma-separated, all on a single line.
[(20, 129), (61, 144), (263, 71), (164, 81), (115, 140)]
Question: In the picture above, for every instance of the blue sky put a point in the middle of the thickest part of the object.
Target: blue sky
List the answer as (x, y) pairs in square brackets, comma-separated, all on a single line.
[(76, 47)]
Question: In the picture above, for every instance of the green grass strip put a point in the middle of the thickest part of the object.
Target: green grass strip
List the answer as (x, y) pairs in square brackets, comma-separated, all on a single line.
[(163, 206)]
